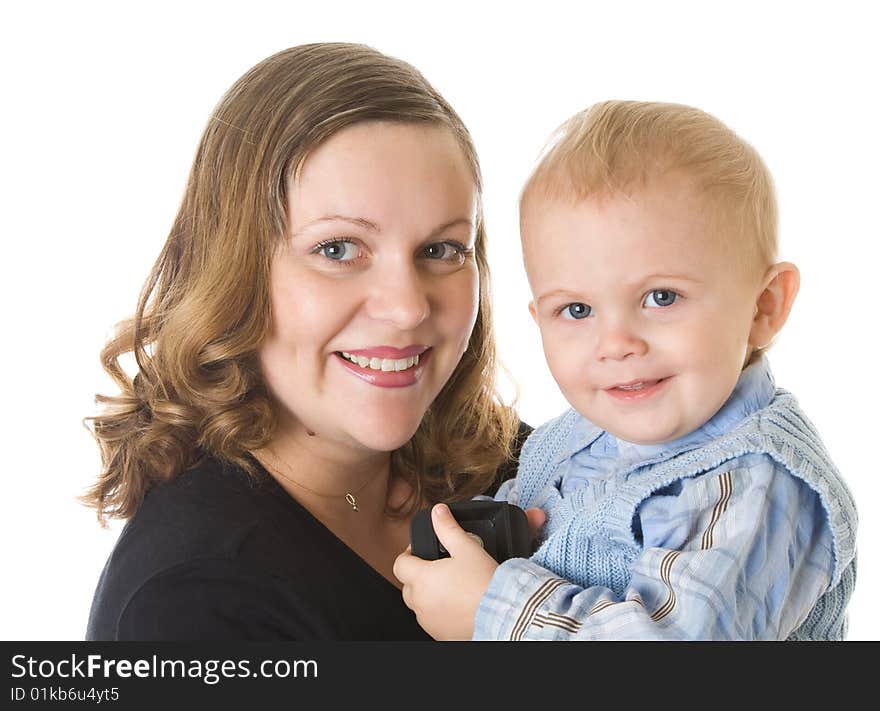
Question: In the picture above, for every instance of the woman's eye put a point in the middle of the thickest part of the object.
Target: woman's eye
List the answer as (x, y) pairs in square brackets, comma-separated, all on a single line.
[(660, 298), (445, 251), (339, 250), (576, 311)]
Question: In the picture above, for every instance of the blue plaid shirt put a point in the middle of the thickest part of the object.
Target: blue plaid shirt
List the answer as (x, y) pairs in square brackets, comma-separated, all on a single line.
[(744, 549)]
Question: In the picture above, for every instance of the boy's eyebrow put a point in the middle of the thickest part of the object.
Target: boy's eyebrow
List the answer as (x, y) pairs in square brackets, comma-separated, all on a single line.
[(642, 281), (555, 293), (675, 277)]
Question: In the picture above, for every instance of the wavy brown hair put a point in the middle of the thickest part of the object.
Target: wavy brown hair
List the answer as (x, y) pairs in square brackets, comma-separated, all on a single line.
[(205, 307)]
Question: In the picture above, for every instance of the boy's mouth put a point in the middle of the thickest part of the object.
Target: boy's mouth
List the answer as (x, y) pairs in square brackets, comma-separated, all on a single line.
[(636, 389), (636, 384)]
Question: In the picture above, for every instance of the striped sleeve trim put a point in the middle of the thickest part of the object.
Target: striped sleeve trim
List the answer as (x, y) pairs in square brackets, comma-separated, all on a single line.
[(605, 604), (726, 482), (601, 605), (551, 619), (531, 606), (665, 567)]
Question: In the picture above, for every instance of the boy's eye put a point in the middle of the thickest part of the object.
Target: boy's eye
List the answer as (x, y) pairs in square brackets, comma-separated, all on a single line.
[(576, 311), (338, 250), (660, 298)]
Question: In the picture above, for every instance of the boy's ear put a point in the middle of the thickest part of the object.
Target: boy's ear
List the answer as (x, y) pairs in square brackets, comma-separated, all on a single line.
[(774, 303), (533, 311)]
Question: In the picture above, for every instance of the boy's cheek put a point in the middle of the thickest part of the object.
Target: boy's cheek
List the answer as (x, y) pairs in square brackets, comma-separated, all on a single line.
[(552, 346), (567, 361)]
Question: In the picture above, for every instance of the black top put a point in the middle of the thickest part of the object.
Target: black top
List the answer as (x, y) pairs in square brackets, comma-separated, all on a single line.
[(216, 554)]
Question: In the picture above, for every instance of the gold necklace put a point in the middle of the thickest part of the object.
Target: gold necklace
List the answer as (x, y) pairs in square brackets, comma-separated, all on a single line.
[(350, 496)]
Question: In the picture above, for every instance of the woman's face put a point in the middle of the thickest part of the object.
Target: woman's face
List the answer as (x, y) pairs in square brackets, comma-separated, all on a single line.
[(375, 289)]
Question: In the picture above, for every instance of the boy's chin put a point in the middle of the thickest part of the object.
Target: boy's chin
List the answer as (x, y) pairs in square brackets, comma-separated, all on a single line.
[(649, 433)]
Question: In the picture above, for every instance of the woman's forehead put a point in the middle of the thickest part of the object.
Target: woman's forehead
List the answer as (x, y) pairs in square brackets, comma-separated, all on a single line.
[(380, 173)]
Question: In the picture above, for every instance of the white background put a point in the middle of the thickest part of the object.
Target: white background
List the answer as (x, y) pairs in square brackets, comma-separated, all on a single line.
[(103, 105)]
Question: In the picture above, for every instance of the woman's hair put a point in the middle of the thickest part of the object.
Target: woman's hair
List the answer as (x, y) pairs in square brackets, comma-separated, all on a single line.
[(615, 145), (205, 307)]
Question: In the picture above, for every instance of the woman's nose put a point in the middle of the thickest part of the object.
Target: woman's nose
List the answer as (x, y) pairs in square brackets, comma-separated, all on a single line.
[(618, 340), (399, 296)]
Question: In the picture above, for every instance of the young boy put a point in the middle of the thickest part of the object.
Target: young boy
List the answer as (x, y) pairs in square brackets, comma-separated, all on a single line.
[(686, 496)]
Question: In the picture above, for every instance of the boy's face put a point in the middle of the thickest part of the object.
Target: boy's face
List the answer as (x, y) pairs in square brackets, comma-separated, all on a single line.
[(644, 321)]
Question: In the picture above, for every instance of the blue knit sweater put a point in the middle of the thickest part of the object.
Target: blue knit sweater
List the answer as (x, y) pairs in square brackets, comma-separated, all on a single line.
[(592, 542)]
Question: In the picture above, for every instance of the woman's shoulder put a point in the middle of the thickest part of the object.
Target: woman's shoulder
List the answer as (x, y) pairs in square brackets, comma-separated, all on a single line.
[(204, 489), (201, 511), (210, 510), (199, 526)]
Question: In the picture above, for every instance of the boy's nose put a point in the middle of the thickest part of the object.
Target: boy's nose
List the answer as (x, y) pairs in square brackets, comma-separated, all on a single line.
[(399, 296), (618, 341)]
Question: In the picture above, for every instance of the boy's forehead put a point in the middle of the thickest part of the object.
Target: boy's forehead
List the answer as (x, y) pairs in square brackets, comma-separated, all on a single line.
[(664, 228), (661, 214)]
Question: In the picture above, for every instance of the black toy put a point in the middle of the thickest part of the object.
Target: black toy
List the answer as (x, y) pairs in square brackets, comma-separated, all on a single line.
[(502, 529)]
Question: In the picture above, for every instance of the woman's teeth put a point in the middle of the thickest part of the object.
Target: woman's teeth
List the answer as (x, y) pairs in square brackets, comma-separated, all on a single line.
[(386, 364)]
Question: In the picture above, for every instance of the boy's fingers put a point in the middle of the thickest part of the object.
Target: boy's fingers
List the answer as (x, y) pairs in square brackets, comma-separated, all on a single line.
[(453, 537), (406, 593), (536, 519), (405, 566)]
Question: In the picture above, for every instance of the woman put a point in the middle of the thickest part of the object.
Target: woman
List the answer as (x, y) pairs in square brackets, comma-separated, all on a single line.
[(315, 362)]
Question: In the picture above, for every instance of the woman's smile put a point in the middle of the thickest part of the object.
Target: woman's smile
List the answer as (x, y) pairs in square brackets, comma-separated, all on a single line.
[(385, 366)]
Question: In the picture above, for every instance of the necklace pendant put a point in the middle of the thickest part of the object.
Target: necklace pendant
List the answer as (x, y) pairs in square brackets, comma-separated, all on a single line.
[(351, 500)]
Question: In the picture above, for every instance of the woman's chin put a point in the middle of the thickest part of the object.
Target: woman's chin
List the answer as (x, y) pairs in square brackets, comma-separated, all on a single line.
[(384, 438)]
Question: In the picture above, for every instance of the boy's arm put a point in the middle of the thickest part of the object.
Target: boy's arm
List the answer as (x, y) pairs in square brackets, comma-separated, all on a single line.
[(445, 593), (738, 554)]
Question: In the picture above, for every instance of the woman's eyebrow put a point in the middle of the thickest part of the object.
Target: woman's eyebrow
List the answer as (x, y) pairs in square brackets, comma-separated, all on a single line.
[(449, 225), (359, 221), (362, 222)]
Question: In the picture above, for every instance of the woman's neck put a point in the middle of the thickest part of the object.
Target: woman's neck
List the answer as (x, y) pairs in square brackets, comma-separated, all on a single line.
[(348, 494), (328, 478)]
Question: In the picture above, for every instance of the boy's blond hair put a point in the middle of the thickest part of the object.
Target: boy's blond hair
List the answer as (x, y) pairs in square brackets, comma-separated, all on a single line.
[(616, 146)]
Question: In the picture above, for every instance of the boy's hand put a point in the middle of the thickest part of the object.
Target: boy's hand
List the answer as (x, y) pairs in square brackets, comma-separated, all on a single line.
[(445, 593), (536, 518)]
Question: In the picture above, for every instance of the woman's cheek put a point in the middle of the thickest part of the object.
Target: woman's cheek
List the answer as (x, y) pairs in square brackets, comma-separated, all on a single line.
[(459, 299)]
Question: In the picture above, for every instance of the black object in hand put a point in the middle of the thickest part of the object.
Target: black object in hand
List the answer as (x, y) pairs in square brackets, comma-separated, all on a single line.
[(502, 529)]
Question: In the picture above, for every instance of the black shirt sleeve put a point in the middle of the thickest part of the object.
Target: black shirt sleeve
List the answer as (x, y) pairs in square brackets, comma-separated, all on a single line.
[(209, 599)]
